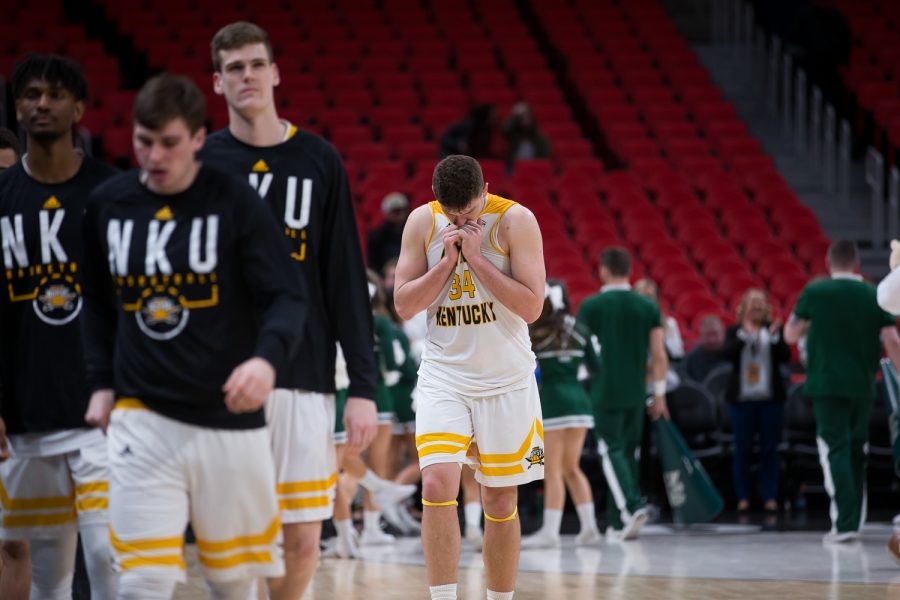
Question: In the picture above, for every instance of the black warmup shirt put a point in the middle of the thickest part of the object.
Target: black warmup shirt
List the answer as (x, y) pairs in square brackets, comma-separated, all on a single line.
[(181, 289), (42, 368), (304, 183)]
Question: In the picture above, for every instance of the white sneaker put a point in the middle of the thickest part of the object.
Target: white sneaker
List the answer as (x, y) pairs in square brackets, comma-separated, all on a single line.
[(391, 514), (340, 547), (412, 525), (844, 537), (475, 537), (614, 535), (392, 493), (541, 539), (633, 525), (588, 537), (376, 538)]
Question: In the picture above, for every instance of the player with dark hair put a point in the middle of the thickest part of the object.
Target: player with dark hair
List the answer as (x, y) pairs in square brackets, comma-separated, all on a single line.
[(55, 482), (189, 313), (629, 327), (845, 330)]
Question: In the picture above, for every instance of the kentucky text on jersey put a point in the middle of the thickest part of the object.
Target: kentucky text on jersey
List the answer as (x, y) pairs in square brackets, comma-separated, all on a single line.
[(465, 314)]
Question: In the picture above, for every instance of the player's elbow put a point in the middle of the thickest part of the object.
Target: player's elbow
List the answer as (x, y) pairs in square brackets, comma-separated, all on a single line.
[(402, 305), (532, 312)]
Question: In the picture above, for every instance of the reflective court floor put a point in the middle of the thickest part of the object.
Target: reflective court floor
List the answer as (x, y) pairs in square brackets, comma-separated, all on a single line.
[(717, 561)]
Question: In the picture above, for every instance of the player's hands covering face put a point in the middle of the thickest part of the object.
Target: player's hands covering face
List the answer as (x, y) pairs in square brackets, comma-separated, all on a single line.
[(470, 236)]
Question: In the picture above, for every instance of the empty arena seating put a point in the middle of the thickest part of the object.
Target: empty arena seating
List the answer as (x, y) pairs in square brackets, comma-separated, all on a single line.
[(698, 203)]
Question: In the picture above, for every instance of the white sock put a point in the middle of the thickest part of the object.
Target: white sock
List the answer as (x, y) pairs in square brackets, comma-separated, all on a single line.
[(372, 520), (552, 521), (344, 528), (492, 595), (473, 514), (586, 516), (443, 592), (371, 481)]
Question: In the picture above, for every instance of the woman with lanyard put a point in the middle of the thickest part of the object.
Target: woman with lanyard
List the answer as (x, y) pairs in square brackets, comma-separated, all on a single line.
[(756, 393)]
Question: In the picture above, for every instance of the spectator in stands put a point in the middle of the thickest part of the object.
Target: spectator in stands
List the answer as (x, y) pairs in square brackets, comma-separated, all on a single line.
[(700, 361), (844, 325), (473, 136), (756, 393), (9, 148), (383, 242), (647, 288), (524, 139)]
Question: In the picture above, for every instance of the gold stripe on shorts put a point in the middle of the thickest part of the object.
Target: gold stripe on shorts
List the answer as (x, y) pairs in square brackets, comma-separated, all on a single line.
[(144, 544), (38, 503), (443, 437), (243, 558), (302, 503), (126, 403), (168, 560), (91, 487), (245, 541), (298, 487), (43, 520), (443, 448), (86, 504)]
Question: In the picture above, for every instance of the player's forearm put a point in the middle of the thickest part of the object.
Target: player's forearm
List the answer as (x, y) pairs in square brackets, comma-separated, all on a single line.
[(795, 329), (415, 296), (512, 294)]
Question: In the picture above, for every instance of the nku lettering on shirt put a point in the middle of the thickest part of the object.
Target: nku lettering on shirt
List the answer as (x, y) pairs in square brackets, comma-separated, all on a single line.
[(49, 281), (160, 296), (295, 220)]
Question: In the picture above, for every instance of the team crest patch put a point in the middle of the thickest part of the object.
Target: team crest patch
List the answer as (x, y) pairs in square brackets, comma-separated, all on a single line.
[(536, 457), (161, 316), (58, 299)]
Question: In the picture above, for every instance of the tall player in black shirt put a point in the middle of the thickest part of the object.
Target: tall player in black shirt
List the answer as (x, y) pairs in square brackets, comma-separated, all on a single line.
[(55, 482), (189, 311), (301, 177)]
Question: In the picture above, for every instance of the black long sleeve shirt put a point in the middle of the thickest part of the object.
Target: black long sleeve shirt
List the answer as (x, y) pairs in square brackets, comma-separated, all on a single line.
[(181, 289), (42, 366), (304, 183)]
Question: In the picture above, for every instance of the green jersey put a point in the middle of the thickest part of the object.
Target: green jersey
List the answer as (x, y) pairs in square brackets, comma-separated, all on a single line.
[(565, 354), (622, 321), (843, 343)]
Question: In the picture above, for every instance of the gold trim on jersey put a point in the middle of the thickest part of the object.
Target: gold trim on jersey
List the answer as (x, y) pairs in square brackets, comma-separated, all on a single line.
[(435, 207), (129, 404), (292, 131)]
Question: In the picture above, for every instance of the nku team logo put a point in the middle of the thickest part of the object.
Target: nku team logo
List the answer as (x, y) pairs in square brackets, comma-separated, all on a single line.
[(57, 300), (48, 280), (536, 457), (161, 296), (161, 315)]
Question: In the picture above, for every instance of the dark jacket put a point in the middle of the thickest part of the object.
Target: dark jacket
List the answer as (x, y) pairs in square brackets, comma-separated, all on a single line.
[(731, 351)]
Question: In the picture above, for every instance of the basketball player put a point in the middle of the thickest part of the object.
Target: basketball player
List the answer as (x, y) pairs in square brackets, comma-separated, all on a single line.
[(628, 327), (55, 483), (189, 311), (475, 261), (845, 328), (302, 179)]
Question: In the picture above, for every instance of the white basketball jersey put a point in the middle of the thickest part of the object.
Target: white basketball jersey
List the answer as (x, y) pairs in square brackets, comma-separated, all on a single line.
[(474, 344)]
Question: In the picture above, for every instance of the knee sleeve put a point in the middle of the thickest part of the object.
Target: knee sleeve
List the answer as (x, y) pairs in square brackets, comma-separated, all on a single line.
[(236, 589), (52, 567), (98, 560)]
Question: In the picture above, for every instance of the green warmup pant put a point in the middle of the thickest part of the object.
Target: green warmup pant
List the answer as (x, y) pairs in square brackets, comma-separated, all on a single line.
[(619, 433), (842, 434)]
